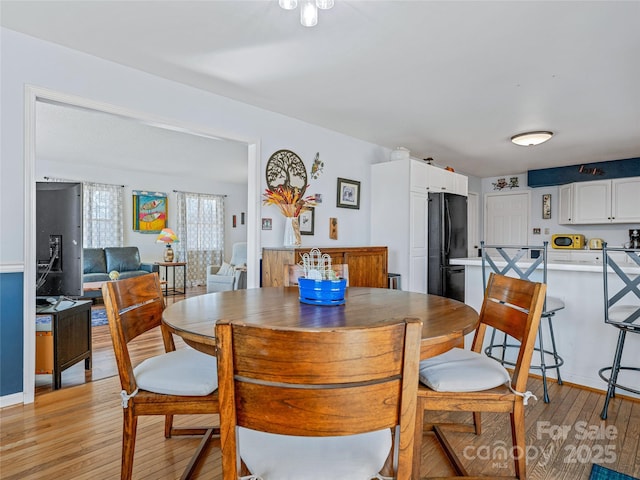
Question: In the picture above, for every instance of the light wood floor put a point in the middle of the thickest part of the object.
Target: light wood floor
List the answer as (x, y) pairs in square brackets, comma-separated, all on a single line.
[(75, 433)]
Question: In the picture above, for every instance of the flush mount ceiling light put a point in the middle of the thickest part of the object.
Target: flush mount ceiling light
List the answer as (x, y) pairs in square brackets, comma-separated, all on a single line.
[(308, 9), (531, 138)]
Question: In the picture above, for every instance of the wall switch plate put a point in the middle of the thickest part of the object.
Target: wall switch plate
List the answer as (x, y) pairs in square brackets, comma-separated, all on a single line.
[(546, 231), (536, 231)]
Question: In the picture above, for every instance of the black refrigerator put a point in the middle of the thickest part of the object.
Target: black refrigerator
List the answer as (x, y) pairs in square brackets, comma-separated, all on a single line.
[(447, 220)]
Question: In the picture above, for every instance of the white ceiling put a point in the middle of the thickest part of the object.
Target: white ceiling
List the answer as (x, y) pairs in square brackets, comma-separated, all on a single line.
[(452, 80)]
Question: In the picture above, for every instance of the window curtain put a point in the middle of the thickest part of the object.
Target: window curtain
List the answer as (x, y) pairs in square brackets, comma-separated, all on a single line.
[(102, 212), (103, 221), (200, 229)]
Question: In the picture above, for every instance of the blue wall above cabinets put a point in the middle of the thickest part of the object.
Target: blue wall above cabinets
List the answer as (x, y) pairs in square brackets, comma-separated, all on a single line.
[(11, 333), (547, 177)]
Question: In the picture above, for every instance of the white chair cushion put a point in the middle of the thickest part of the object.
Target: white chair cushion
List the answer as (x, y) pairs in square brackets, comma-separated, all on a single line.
[(284, 457), (461, 370), (620, 313), (183, 372), (554, 304)]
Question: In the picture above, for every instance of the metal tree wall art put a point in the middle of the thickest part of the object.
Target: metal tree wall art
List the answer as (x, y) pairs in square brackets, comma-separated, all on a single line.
[(285, 169)]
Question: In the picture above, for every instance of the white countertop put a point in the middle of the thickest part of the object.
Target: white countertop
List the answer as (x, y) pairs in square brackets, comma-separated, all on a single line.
[(562, 265)]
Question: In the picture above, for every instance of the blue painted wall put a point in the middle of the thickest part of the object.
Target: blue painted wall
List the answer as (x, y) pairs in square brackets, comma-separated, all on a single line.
[(547, 177), (11, 333)]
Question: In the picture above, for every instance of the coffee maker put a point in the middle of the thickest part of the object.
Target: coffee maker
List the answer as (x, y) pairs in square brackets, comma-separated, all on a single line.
[(634, 238)]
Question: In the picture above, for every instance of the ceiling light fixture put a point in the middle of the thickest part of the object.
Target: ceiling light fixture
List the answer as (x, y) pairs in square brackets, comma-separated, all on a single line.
[(529, 139), (308, 9)]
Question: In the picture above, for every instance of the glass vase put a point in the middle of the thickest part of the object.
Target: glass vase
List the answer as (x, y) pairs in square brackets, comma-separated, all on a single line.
[(292, 232)]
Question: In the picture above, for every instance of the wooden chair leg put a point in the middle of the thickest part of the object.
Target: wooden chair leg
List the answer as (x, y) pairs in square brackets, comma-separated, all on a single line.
[(168, 425), (387, 469), (477, 422), (417, 440), (519, 440), (129, 426)]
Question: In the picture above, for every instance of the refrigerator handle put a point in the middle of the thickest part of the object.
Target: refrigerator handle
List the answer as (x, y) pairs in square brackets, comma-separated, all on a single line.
[(448, 226)]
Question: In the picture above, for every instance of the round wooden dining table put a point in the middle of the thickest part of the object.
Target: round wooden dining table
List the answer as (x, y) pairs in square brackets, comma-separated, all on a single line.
[(444, 321)]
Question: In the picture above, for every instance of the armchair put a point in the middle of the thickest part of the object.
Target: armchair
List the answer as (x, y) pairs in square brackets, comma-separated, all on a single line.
[(229, 276)]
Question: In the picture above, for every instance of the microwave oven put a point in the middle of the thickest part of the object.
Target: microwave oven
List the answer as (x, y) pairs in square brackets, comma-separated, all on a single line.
[(570, 241)]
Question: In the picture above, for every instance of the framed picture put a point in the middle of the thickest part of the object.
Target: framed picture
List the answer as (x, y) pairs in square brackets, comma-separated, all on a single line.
[(348, 193), (307, 221), (546, 206), (149, 211), (266, 224)]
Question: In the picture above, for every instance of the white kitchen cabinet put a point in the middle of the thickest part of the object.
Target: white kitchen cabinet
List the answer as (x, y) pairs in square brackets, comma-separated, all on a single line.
[(565, 204), (399, 208), (427, 178), (600, 201), (583, 256), (592, 202), (625, 200)]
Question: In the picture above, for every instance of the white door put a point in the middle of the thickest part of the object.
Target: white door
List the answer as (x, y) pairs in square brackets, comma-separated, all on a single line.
[(473, 224), (419, 247), (506, 220)]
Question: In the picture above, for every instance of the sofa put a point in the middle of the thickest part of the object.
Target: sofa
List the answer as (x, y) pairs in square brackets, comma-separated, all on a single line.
[(98, 262)]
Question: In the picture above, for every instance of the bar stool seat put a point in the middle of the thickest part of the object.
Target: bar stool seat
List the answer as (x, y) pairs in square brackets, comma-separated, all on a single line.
[(625, 317), (553, 305), (536, 255)]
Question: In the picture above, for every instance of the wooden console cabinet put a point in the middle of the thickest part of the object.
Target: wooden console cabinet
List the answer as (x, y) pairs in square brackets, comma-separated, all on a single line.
[(367, 265), (71, 332)]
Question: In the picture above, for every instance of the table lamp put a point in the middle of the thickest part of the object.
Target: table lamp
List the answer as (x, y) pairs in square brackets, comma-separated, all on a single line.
[(167, 236)]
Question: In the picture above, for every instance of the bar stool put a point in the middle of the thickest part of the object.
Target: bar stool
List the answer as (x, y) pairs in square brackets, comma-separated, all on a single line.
[(537, 255), (625, 317)]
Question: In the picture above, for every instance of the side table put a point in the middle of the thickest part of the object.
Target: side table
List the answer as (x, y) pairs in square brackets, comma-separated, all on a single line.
[(166, 266), (71, 331)]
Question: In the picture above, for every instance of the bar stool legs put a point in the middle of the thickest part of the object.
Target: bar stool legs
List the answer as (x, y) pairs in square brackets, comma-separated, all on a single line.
[(543, 366), (612, 381), (558, 361), (621, 310)]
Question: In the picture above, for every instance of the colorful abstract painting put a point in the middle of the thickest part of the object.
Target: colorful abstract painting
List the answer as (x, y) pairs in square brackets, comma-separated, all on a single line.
[(149, 211)]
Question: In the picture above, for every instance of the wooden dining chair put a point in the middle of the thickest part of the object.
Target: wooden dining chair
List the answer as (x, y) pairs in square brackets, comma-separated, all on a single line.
[(293, 272), (174, 383), (317, 403), (462, 380)]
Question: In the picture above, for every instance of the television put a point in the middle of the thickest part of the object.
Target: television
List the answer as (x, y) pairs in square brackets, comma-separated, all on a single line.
[(59, 239)]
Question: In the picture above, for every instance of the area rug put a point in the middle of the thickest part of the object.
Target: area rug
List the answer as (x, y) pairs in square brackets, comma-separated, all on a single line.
[(98, 317), (599, 472)]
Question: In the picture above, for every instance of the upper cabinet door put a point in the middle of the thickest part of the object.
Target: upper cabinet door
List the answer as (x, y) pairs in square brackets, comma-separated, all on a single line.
[(565, 203), (419, 177), (440, 180), (592, 202), (625, 200)]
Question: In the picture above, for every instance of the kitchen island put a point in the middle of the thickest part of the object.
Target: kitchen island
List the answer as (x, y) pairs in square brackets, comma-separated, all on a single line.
[(583, 340)]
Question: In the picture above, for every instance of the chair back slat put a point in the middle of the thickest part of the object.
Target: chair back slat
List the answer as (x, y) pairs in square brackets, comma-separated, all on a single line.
[(318, 356), (343, 410)]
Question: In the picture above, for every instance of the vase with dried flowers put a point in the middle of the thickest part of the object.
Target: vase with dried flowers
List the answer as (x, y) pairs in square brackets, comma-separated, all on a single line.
[(291, 202)]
